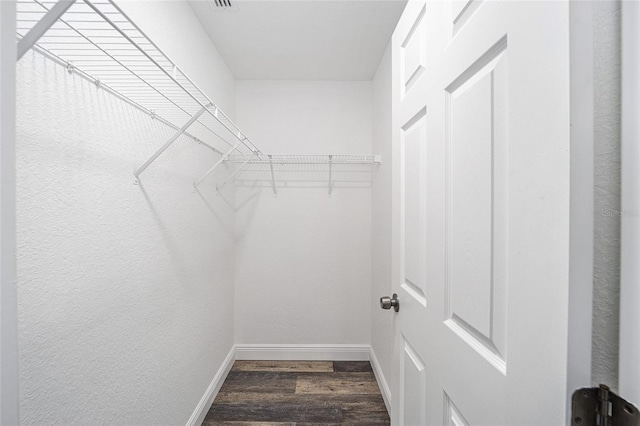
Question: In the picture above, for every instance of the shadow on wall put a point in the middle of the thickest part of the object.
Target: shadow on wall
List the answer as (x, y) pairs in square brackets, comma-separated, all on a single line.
[(222, 199), (115, 280)]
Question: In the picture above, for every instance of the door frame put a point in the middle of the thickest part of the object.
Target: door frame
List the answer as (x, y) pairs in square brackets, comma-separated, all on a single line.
[(581, 199), (629, 370), (9, 400)]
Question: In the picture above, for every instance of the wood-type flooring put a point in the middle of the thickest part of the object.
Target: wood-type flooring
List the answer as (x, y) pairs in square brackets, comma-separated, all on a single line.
[(288, 393)]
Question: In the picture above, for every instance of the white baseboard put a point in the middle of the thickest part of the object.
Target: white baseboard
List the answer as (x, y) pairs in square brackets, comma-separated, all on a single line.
[(207, 399), (302, 352), (385, 390)]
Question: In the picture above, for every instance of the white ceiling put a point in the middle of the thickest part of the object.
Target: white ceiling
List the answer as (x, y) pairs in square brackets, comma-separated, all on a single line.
[(301, 39)]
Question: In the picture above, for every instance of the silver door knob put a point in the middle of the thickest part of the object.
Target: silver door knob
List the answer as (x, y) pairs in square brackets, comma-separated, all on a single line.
[(387, 302)]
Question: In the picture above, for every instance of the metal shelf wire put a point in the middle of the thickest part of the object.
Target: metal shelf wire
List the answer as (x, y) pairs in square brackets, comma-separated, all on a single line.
[(312, 163), (98, 41), (304, 159)]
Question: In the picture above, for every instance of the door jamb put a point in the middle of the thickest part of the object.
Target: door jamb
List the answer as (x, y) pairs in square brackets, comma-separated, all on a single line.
[(9, 400), (581, 199), (629, 371)]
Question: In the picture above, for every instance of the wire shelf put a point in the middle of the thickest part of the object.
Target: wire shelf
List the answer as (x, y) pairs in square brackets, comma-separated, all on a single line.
[(327, 165), (98, 41), (304, 159)]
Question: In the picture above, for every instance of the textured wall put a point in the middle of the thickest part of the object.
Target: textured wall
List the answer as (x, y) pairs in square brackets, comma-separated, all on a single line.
[(606, 292), (381, 321), (125, 291), (303, 258)]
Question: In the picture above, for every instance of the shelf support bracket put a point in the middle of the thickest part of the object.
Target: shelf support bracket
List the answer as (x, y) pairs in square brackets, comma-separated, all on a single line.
[(235, 173), (215, 166), (42, 26), (169, 142), (273, 177), (330, 177)]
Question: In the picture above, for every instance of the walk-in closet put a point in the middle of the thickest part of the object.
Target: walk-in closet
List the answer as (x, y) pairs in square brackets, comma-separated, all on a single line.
[(308, 212)]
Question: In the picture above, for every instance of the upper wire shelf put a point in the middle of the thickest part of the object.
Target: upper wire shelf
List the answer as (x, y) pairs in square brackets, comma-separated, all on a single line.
[(98, 41), (261, 158), (332, 162)]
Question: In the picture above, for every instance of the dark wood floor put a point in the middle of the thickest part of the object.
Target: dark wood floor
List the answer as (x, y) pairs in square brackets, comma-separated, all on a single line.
[(286, 393)]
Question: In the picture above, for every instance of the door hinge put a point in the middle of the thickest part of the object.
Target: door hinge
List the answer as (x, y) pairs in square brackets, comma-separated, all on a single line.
[(601, 407)]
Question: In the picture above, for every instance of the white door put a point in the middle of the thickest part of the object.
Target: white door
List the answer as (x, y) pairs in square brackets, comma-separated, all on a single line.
[(481, 212)]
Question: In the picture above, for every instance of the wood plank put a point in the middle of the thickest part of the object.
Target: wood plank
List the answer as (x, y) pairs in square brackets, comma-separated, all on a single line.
[(258, 381), (273, 413), (296, 393), (285, 366), (337, 383), (352, 366), (372, 402), (234, 423), (359, 417)]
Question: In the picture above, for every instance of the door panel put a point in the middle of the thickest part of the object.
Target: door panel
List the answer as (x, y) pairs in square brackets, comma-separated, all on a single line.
[(480, 212), (413, 53), (413, 142), (413, 387), (459, 12), (476, 247), (452, 416)]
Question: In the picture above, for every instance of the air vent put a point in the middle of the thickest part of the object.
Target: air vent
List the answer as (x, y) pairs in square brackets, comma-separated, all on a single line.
[(222, 5)]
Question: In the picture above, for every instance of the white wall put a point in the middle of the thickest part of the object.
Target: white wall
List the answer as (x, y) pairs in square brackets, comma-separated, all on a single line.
[(381, 320), (125, 291), (606, 271), (303, 258)]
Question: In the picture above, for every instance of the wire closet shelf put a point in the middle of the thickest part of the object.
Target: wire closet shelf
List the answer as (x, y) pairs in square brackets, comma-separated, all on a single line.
[(332, 163), (260, 158), (97, 41)]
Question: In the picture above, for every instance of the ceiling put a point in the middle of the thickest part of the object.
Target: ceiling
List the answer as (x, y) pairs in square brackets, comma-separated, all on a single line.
[(300, 39)]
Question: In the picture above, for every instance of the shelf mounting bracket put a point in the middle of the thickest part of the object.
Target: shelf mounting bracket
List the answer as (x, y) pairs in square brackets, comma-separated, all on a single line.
[(273, 177), (215, 166), (330, 177), (235, 172), (169, 142)]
